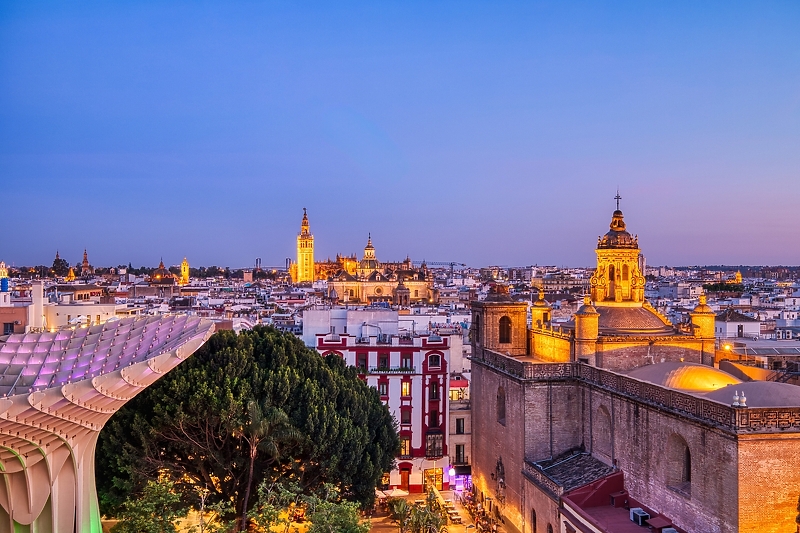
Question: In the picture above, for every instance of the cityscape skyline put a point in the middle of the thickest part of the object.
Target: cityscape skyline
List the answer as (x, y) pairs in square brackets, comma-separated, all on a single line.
[(481, 135)]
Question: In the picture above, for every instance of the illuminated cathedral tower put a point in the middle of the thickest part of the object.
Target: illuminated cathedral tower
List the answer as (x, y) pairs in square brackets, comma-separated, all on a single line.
[(618, 278), (305, 253), (184, 272)]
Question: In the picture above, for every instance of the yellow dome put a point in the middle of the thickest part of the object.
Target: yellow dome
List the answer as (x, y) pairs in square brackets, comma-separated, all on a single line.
[(685, 376)]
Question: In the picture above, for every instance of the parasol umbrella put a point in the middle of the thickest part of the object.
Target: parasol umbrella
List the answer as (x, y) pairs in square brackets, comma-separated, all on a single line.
[(380, 494), (396, 493)]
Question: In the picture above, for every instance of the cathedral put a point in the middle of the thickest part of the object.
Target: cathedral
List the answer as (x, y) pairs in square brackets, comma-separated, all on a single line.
[(395, 283), (364, 281), (621, 415)]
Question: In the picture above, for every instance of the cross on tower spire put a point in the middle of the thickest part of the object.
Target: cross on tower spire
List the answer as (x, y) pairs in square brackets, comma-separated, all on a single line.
[(618, 198)]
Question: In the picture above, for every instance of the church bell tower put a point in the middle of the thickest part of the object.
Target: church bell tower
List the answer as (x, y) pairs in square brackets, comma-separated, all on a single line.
[(305, 252), (618, 278)]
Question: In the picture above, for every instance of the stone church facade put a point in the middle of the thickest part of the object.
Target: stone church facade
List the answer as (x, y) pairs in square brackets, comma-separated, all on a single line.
[(620, 410)]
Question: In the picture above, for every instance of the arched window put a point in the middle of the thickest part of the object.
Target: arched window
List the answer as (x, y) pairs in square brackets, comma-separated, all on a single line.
[(434, 361), (679, 465), (533, 520), (501, 405), (505, 330), (476, 327), (549, 528), (625, 272)]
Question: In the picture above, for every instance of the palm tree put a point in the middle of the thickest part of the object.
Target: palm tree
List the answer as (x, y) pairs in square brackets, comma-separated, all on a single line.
[(267, 427)]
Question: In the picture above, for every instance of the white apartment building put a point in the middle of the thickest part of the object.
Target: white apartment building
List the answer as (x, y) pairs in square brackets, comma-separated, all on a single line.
[(411, 372)]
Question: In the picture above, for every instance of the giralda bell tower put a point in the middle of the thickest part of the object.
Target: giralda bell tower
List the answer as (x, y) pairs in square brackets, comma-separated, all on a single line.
[(305, 253)]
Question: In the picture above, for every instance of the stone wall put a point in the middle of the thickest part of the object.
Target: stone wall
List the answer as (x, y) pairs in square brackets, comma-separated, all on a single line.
[(768, 501), (549, 346), (644, 443)]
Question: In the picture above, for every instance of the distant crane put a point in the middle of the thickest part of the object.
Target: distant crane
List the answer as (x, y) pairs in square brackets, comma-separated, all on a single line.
[(451, 264)]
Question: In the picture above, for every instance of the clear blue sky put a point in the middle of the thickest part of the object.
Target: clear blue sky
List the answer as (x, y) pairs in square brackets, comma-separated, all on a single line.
[(488, 133)]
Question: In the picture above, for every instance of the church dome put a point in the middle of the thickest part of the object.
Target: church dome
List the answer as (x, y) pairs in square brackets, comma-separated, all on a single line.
[(162, 275), (691, 377), (631, 321), (541, 302), (759, 394), (617, 236), (703, 307)]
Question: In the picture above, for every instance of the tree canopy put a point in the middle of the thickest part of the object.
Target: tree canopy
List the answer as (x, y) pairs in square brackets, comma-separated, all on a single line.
[(245, 409)]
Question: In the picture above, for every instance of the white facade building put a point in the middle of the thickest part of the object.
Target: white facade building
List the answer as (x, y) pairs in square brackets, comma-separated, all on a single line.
[(411, 373)]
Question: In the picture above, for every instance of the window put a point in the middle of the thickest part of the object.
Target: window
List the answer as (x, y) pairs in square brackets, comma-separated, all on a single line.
[(405, 416), (433, 445), (460, 456), (433, 419), (501, 405), (679, 465), (405, 446), (533, 520), (477, 327), (459, 426), (434, 390), (416, 294), (434, 361), (383, 388), (405, 360), (549, 528), (8, 328), (362, 361), (405, 388), (98, 319), (383, 360), (505, 330)]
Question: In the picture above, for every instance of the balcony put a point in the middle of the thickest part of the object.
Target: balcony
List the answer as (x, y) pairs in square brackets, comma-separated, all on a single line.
[(392, 370)]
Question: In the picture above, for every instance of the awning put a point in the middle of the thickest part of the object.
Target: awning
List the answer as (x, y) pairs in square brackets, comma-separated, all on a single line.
[(463, 470), (459, 383)]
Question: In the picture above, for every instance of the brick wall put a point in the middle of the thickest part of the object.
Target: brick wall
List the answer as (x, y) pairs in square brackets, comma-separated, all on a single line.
[(769, 481)]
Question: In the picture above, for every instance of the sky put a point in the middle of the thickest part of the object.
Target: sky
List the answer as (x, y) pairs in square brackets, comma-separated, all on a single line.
[(476, 132)]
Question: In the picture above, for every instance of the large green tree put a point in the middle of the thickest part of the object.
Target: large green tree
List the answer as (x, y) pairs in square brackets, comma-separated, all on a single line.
[(247, 408)]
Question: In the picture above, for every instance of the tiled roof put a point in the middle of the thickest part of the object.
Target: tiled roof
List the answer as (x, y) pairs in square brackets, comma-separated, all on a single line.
[(630, 320), (732, 315), (574, 469)]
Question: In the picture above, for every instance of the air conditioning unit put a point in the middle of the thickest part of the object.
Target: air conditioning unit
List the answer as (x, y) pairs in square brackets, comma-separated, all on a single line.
[(669, 530), (635, 510), (640, 516)]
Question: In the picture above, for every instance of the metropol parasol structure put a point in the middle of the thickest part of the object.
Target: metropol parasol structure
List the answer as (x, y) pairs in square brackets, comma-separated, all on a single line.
[(57, 390)]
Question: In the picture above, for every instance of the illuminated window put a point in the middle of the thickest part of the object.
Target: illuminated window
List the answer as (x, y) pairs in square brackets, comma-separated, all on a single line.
[(505, 330), (405, 388), (405, 446)]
